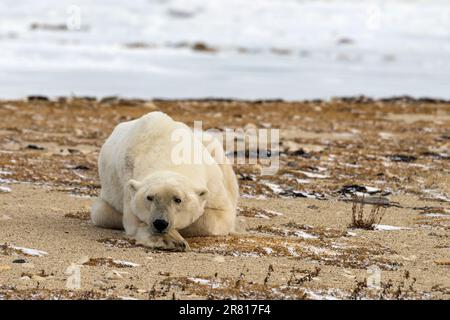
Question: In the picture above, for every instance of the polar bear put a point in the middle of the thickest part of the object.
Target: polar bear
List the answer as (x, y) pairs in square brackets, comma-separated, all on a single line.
[(155, 197)]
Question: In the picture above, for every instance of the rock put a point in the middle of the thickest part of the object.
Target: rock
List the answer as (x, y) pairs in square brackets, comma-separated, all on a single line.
[(203, 47), (34, 147), (19, 261), (402, 158)]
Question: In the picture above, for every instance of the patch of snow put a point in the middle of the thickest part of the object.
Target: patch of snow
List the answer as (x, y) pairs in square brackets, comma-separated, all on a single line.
[(268, 250), (372, 189), (434, 215), (272, 186), (314, 175), (319, 296), (245, 254), (437, 195), (351, 165), (251, 196), (292, 251), (5, 189), (274, 212), (303, 181), (200, 281), (383, 227), (80, 196), (126, 263), (262, 216), (302, 234), (30, 252)]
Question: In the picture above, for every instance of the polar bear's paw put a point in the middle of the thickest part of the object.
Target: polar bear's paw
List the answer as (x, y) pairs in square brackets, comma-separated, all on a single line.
[(171, 241)]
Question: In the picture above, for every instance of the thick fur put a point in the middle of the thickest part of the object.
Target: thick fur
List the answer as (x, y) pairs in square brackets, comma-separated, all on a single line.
[(136, 164)]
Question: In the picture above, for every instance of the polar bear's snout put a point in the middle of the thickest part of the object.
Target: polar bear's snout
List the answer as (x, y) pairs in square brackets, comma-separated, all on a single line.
[(160, 225)]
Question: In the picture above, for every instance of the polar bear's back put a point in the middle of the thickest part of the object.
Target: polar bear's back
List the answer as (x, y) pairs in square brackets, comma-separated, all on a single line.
[(135, 149)]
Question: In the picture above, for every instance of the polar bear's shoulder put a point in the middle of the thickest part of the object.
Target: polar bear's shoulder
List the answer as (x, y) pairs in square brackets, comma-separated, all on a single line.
[(155, 116), (148, 123), (156, 122)]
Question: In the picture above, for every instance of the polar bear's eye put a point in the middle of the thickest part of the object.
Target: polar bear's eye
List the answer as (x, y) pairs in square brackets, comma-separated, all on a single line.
[(177, 200), (149, 198)]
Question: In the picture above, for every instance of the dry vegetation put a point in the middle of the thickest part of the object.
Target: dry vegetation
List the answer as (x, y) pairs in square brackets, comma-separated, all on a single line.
[(363, 220)]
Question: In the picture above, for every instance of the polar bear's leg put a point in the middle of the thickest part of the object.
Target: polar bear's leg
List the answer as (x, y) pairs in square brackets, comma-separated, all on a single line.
[(214, 222), (103, 215)]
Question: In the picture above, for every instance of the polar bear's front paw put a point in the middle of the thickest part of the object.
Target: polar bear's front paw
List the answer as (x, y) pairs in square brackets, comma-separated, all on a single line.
[(175, 244), (171, 241)]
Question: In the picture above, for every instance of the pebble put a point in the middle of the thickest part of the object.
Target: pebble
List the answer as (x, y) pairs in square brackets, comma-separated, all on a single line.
[(113, 275), (19, 261)]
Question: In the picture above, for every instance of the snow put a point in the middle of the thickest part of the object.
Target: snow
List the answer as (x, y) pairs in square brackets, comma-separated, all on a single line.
[(314, 175), (438, 195), (302, 234), (30, 252), (383, 227), (435, 215), (292, 251), (272, 186), (5, 189), (296, 49), (262, 216), (276, 213), (126, 263), (319, 296), (200, 281)]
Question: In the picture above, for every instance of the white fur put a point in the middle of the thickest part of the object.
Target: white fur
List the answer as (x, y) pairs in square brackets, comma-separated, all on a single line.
[(136, 161)]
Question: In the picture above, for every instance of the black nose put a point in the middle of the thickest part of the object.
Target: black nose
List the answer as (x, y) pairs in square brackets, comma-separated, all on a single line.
[(160, 224)]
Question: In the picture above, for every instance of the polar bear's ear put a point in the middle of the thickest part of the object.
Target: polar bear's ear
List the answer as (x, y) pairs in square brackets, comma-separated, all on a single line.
[(133, 185)]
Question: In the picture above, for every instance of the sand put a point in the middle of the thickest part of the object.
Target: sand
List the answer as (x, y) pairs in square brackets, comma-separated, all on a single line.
[(298, 243)]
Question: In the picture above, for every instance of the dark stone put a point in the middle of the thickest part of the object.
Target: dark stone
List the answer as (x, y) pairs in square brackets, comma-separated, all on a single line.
[(19, 261)]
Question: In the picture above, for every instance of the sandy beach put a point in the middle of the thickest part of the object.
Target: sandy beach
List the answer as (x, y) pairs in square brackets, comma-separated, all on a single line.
[(298, 243)]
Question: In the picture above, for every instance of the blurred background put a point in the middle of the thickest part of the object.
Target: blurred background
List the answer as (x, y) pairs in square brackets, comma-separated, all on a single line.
[(250, 49)]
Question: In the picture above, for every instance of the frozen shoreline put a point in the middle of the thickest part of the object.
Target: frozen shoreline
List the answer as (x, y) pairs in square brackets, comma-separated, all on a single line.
[(293, 49)]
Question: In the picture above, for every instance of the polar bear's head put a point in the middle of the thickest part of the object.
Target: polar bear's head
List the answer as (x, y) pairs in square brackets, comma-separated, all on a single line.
[(167, 201)]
